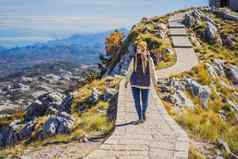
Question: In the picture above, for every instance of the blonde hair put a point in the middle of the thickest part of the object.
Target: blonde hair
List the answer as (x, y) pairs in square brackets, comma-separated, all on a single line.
[(144, 58)]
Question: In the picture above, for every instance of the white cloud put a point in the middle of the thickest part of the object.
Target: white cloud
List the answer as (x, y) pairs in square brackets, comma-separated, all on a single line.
[(57, 22), (106, 2)]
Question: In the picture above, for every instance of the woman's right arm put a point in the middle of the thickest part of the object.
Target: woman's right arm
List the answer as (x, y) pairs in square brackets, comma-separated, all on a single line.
[(153, 72), (130, 70)]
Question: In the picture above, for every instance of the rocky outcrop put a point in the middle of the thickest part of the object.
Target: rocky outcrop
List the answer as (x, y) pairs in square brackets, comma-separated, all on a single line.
[(109, 94), (229, 41), (193, 18), (227, 14), (211, 33), (223, 145), (216, 68), (162, 30), (219, 67), (172, 90), (57, 124), (94, 96), (48, 102), (26, 131), (203, 92), (7, 136), (189, 20), (180, 100), (232, 73), (122, 65)]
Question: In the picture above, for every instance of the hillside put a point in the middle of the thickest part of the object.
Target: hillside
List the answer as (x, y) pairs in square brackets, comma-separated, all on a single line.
[(203, 100)]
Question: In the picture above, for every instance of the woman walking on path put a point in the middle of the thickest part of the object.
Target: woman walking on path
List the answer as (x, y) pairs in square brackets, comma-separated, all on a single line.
[(141, 72)]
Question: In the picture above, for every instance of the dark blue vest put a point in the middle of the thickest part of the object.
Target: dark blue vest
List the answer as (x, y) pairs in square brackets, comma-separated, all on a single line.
[(138, 77)]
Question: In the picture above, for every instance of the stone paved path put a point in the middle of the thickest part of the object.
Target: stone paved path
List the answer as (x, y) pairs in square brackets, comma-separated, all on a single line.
[(186, 57), (160, 137)]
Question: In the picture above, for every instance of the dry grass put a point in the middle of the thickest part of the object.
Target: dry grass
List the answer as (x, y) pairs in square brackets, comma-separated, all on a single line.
[(194, 153)]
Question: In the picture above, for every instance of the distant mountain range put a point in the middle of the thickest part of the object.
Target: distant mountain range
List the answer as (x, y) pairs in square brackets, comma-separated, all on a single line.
[(79, 49)]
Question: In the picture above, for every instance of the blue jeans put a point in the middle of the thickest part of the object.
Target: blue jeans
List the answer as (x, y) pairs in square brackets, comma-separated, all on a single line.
[(141, 100)]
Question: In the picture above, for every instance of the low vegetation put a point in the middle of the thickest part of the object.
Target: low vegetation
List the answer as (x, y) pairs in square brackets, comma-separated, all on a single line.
[(219, 120), (92, 122)]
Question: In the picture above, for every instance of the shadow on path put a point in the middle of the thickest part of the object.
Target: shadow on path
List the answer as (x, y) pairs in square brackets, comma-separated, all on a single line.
[(127, 123)]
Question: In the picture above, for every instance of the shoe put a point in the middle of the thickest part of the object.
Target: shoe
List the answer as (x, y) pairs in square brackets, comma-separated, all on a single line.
[(138, 121), (141, 121), (144, 117)]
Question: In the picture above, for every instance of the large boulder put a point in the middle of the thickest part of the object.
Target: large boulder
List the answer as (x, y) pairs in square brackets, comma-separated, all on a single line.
[(109, 93), (8, 136), (162, 30), (94, 96), (203, 92), (172, 90), (211, 33), (122, 65), (65, 106), (57, 124), (232, 73), (48, 102), (223, 145), (36, 109), (216, 68), (189, 20), (182, 100), (26, 131), (197, 14), (179, 99), (229, 41)]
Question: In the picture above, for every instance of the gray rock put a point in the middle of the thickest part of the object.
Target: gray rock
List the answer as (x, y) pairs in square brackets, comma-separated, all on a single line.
[(122, 65), (58, 125), (82, 107), (50, 127), (181, 100), (232, 73), (223, 145), (65, 106), (203, 92), (233, 156), (197, 14), (162, 30), (189, 21), (211, 33), (94, 96), (178, 85), (26, 131), (229, 41), (219, 66), (36, 109), (8, 136), (48, 103), (207, 18), (227, 14), (109, 93), (219, 157)]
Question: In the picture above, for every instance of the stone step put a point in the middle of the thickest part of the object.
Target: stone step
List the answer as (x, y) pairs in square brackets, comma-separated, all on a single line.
[(181, 42), (177, 32), (174, 24)]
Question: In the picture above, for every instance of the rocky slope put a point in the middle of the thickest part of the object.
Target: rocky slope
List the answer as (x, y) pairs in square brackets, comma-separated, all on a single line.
[(204, 100)]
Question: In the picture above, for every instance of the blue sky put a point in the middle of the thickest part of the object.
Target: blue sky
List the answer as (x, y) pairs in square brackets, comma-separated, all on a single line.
[(41, 20)]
